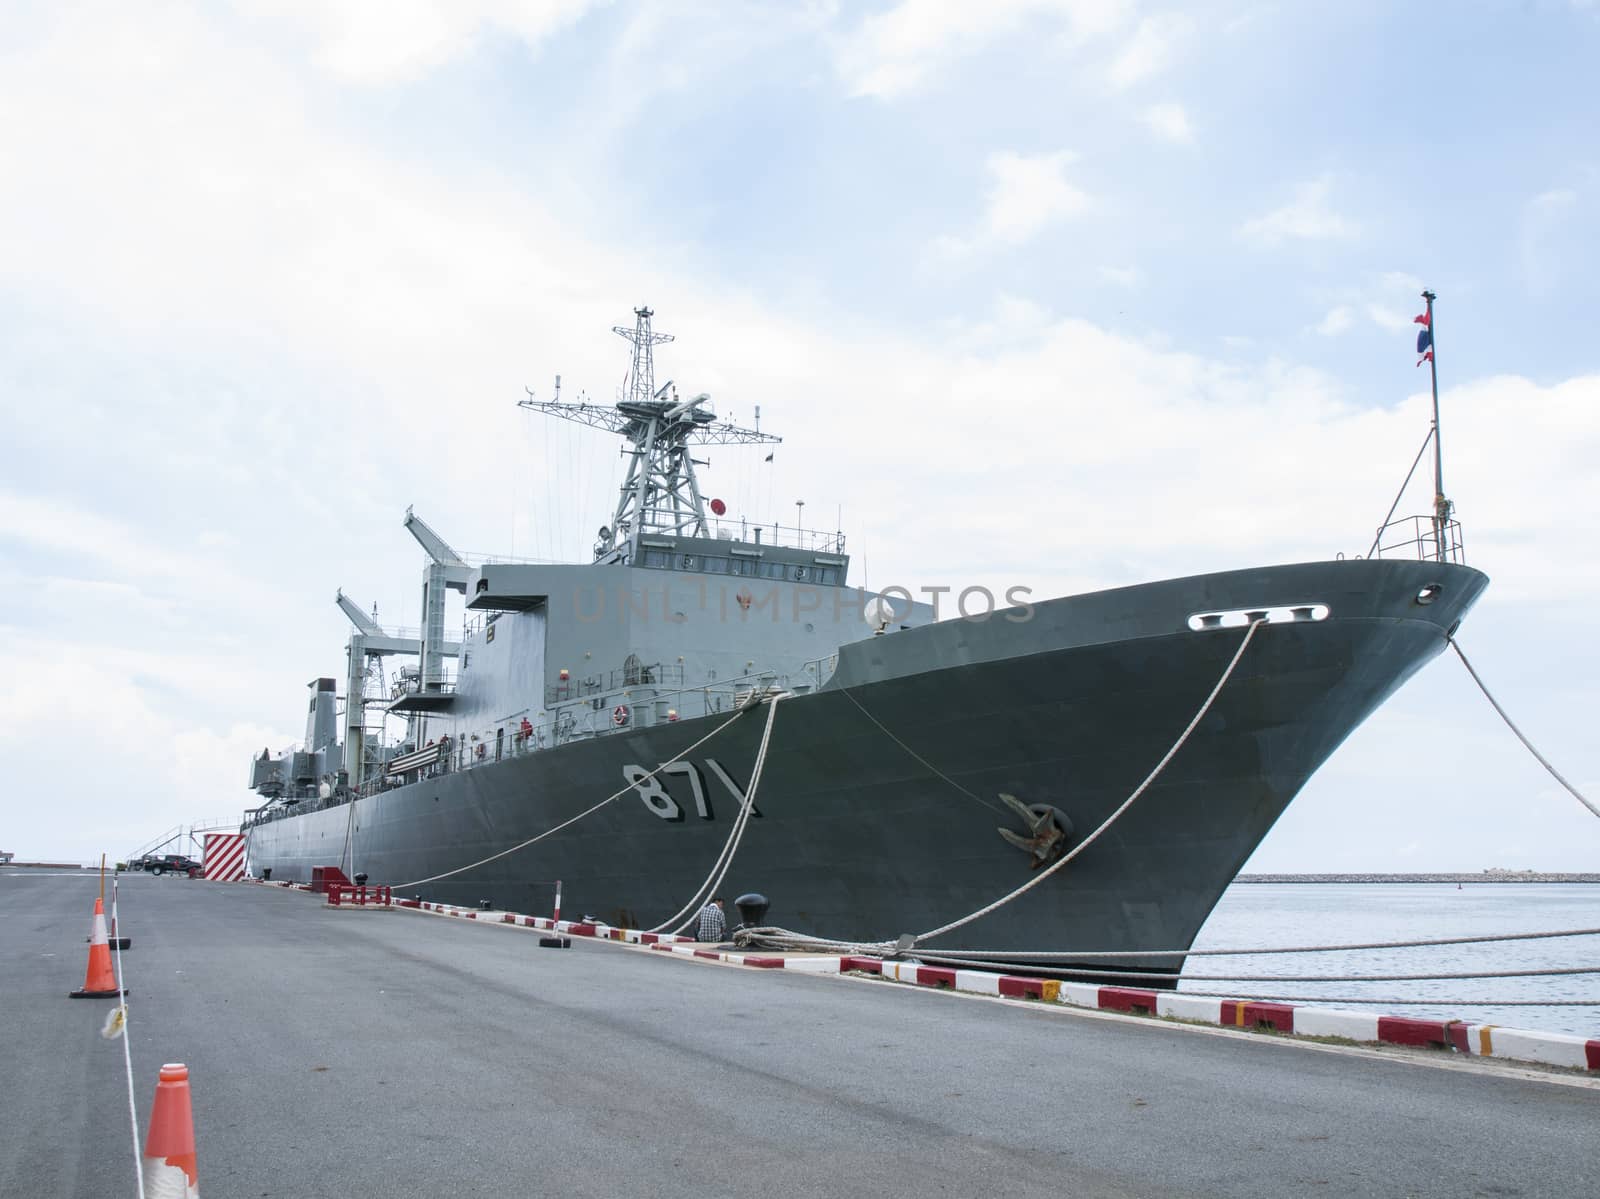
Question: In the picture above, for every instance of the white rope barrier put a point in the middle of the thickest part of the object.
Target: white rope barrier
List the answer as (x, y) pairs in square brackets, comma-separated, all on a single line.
[(127, 1053)]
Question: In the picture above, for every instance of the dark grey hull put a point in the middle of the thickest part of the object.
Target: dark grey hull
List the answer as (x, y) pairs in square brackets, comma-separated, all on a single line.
[(858, 839)]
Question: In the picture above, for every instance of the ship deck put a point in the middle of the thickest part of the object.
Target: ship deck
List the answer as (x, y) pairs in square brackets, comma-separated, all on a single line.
[(396, 1054)]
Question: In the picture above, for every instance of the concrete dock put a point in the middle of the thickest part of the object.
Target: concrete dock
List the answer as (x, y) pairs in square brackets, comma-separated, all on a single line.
[(397, 1054)]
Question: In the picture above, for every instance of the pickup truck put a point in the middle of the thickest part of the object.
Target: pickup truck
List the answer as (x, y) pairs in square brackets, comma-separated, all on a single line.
[(175, 862)]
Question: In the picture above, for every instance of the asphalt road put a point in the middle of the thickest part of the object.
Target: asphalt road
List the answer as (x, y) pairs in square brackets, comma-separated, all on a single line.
[(394, 1054)]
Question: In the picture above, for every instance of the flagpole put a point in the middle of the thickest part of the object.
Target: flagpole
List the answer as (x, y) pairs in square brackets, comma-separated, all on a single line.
[(1441, 506)]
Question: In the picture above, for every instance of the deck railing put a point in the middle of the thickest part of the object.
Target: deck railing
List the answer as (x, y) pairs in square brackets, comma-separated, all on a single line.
[(577, 722), (1423, 538)]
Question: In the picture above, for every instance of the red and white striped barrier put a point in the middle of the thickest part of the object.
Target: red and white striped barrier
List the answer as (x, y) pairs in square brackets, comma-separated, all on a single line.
[(223, 857), (574, 928)]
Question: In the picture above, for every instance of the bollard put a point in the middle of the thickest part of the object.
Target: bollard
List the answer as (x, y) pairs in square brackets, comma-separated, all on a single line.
[(752, 910)]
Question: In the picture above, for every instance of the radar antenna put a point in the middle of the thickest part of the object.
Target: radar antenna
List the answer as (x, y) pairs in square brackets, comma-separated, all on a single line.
[(642, 377), (661, 494)]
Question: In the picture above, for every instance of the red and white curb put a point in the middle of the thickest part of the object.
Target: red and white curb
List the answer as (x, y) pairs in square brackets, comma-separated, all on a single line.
[(1478, 1040), (572, 928), (1461, 1036)]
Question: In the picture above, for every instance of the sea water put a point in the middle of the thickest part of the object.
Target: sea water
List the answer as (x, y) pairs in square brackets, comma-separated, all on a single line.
[(1263, 915)]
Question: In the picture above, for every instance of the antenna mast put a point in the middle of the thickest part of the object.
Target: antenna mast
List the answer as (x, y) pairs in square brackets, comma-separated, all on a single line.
[(642, 378), (661, 494), (1441, 506)]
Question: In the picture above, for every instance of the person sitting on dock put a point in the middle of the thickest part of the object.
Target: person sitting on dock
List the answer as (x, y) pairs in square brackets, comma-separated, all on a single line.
[(712, 922)]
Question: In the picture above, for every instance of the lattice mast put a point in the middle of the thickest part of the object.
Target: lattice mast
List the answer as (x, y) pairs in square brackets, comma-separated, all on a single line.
[(661, 493)]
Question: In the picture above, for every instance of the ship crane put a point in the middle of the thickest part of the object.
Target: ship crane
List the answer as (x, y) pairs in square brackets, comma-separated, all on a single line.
[(364, 624), (446, 571), (435, 546), (661, 493), (370, 643)]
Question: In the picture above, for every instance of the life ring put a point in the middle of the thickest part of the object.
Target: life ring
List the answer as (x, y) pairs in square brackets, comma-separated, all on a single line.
[(619, 715)]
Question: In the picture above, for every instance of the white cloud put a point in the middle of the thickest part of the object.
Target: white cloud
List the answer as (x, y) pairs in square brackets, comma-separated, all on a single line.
[(1027, 194), (1389, 317), (1544, 251), (1169, 121), (388, 41), (1122, 276), (1400, 281), (894, 52), (1336, 322), (1307, 217), (1388, 300), (1150, 50)]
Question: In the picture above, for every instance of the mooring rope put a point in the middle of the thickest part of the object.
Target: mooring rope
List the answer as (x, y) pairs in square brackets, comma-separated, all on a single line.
[(778, 938), (1171, 976), (349, 836), (1045, 954), (1543, 761), (127, 1053), (417, 882), (719, 868), (1390, 1001)]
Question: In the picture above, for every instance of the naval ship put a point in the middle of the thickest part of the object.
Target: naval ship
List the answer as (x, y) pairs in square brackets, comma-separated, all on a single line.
[(918, 768)]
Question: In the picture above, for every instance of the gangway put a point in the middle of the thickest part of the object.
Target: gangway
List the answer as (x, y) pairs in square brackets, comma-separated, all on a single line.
[(192, 833)]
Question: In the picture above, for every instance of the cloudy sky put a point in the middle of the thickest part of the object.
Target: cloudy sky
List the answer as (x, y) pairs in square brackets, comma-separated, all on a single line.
[(1060, 293)]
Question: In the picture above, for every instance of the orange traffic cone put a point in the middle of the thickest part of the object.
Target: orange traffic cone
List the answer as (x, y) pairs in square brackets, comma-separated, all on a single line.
[(100, 980), (170, 1169)]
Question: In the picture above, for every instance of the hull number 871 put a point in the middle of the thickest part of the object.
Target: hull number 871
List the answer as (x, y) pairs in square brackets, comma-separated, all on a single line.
[(659, 800)]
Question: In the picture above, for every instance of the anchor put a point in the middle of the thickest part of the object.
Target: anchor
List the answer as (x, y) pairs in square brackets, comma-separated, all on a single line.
[(1049, 830)]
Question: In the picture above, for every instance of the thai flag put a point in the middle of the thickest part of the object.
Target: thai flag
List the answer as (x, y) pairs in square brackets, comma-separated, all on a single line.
[(1424, 339)]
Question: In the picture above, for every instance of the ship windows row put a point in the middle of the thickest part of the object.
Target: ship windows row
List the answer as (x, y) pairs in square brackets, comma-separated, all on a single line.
[(711, 564)]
